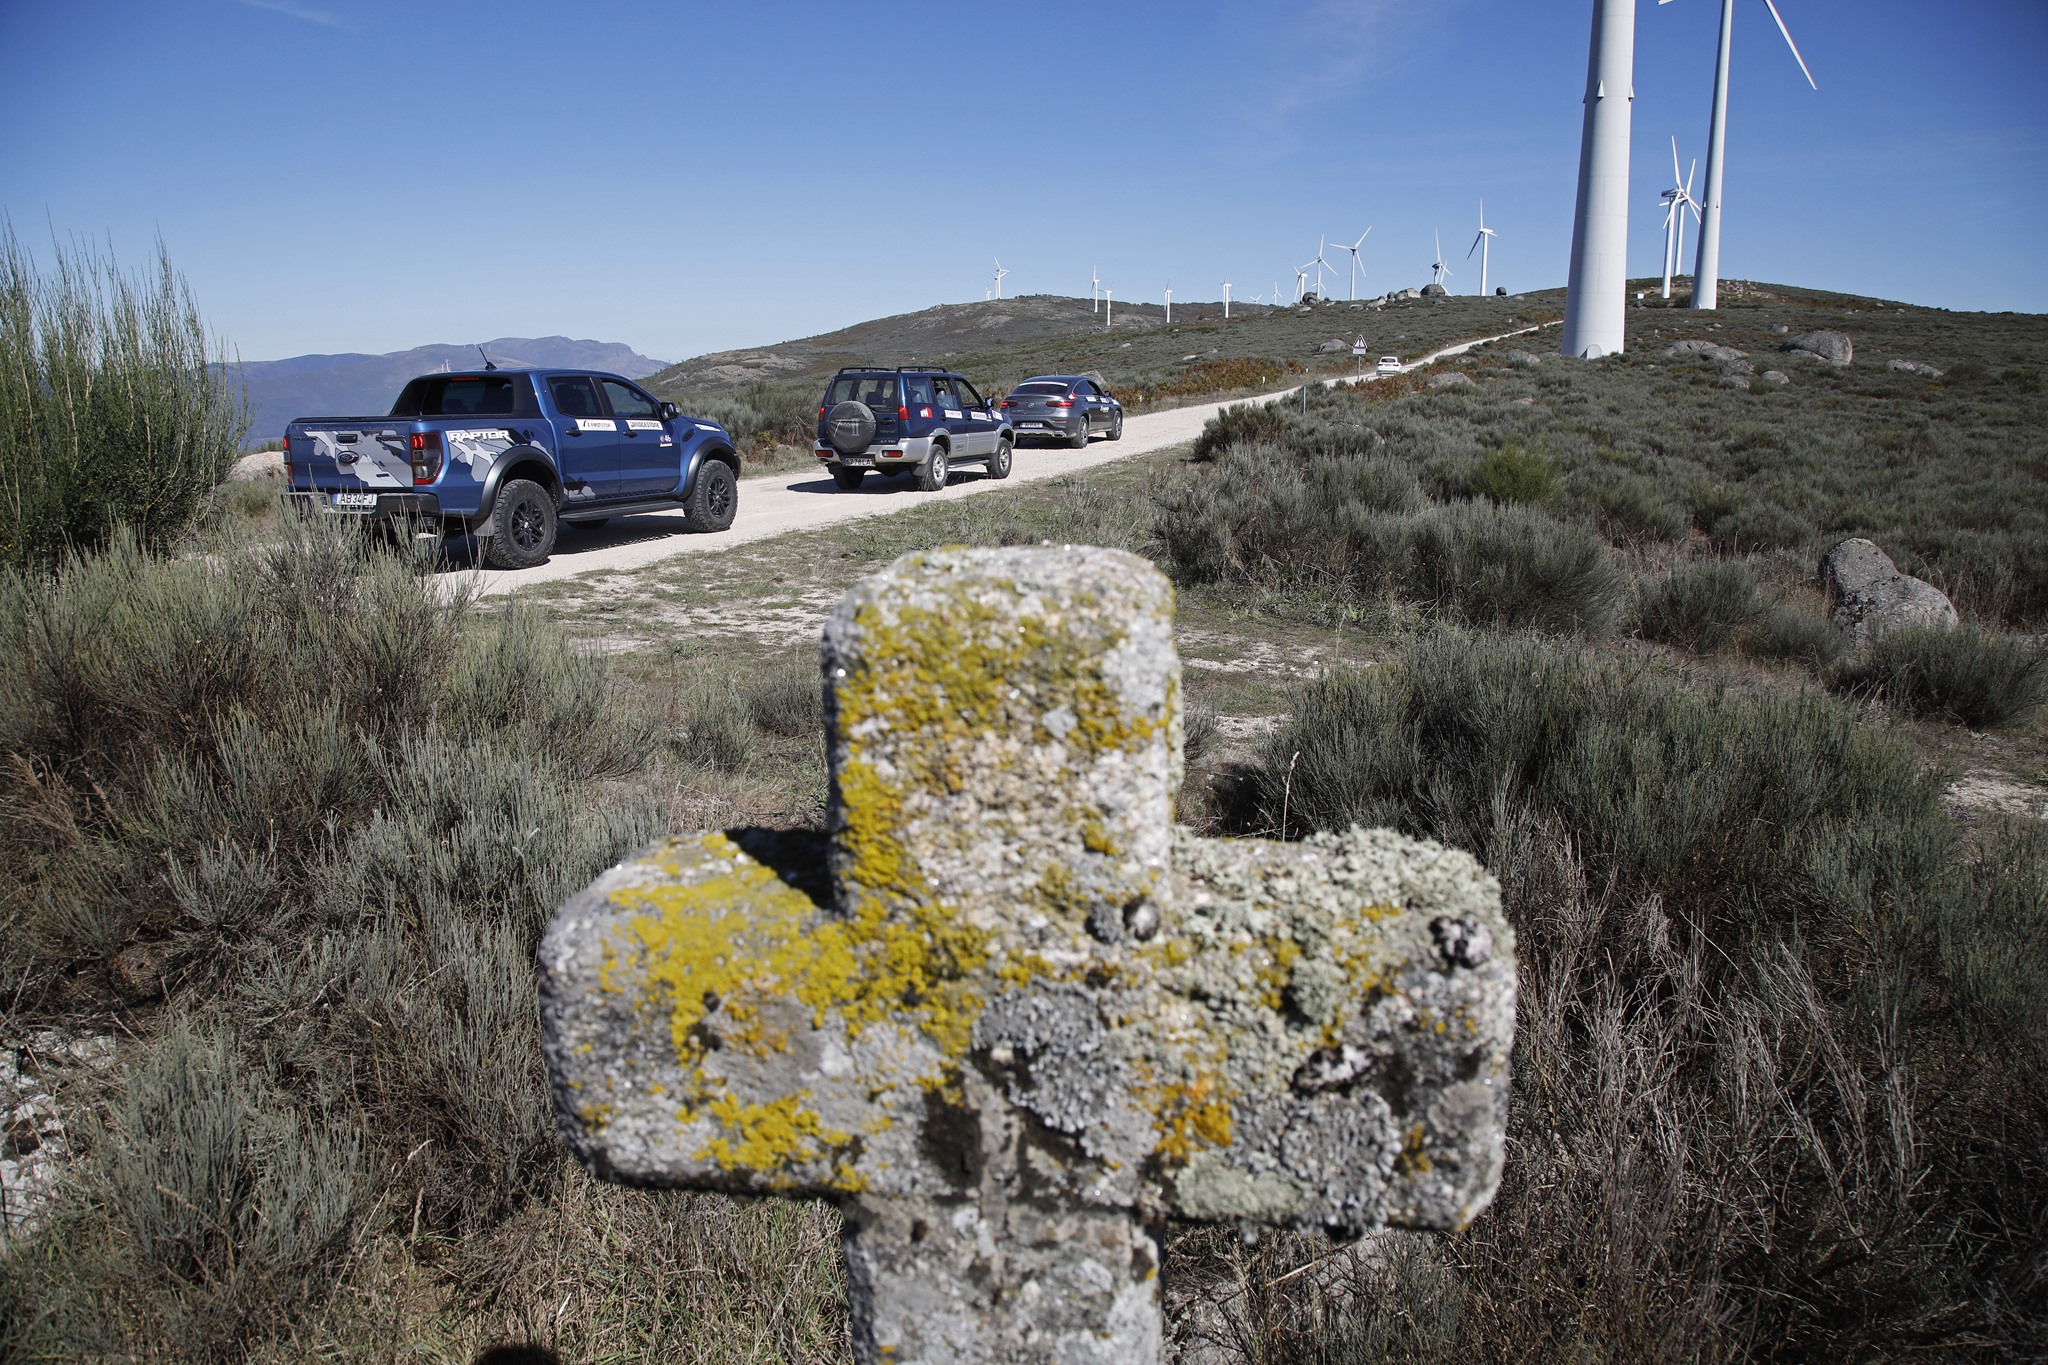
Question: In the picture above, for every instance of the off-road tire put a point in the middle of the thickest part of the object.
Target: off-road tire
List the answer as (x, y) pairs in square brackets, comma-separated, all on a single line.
[(521, 529), (850, 427), (1116, 427), (931, 475), (715, 499), (999, 463), (847, 478)]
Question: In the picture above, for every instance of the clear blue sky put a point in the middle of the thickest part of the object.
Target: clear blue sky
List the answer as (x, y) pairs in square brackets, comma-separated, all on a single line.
[(366, 175)]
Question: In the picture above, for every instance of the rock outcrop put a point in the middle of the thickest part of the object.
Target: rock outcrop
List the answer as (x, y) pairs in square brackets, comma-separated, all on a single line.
[(1868, 596), (1833, 347)]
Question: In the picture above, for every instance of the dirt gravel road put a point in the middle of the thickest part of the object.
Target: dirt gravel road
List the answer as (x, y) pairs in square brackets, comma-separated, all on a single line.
[(776, 504)]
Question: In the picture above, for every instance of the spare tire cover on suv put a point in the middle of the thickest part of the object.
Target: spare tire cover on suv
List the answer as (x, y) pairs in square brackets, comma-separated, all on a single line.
[(850, 427)]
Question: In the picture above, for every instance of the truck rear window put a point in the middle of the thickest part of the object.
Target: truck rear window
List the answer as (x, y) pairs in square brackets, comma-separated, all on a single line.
[(876, 390), (466, 395)]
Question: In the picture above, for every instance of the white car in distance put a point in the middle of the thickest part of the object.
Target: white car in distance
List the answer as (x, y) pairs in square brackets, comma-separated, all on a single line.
[(1389, 364)]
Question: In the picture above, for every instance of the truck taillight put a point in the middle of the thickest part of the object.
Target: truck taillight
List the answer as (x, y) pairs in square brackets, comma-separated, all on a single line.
[(426, 456), (903, 414)]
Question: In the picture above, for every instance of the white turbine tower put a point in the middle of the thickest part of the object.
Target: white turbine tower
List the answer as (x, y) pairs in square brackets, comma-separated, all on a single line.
[(1169, 303), (1301, 281), (1596, 298), (1353, 249), (1322, 263), (1676, 201), (1226, 300), (1443, 272), (1000, 272), (1105, 308), (1706, 275), (1480, 244), (1094, 291)]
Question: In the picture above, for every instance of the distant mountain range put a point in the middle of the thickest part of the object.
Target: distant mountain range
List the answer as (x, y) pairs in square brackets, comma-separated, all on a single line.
[(364, 385)]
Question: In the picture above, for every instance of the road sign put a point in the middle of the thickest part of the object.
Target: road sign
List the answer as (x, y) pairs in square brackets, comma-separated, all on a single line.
[(1358, 348)]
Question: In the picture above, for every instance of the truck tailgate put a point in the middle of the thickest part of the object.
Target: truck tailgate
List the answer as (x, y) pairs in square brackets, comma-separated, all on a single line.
[(350, 454)]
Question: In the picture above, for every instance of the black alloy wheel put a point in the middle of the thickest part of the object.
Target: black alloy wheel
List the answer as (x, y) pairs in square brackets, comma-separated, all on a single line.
[(522, 526), (715, 500)]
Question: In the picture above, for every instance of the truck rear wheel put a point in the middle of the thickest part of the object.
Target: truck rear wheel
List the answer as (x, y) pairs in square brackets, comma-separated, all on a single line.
[(521, 530), (847, 478)]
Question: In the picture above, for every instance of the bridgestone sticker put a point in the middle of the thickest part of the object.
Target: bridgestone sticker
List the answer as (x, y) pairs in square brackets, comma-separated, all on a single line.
[(596, 424), (636, 424)]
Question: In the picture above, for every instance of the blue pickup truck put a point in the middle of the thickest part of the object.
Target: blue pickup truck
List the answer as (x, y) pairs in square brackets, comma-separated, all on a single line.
[(507, 455)]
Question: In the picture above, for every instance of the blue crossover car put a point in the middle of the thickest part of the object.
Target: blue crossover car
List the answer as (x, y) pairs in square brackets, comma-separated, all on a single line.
[(910, 419), (1070, 407)]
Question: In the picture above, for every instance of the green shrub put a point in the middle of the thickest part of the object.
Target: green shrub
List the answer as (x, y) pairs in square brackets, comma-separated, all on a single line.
[(1630, 506), (1698, 606), (1785, 632), (114, 410), (1720, 801), (1758, 525), (1242, 424), (1501, 565), (222, 1205), (1963, 675), (1512, 474), (788, 699)]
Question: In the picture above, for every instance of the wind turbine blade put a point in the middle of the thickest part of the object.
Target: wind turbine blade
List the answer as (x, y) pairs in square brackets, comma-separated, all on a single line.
[(1789, 43), (1688, 175), (1475, 244)]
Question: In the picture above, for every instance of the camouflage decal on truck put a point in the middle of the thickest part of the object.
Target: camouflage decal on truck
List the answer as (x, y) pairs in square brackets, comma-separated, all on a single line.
[(375, 459), (477, 450)]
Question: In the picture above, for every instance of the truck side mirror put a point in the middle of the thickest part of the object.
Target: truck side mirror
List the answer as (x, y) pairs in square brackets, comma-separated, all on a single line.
[(669, 412)]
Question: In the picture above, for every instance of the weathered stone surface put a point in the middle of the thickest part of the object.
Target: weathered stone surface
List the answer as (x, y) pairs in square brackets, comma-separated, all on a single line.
[(1524, 359), (1833, 347), (1003, 1013), (1706, 350), (1869, 596), (1450, 379), (1919, 367), (1332, 346), (1774, 377), (1433, 291)]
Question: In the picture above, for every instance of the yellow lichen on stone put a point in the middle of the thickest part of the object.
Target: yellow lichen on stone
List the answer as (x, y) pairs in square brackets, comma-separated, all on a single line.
[(1189, 1118), (767, 1137)]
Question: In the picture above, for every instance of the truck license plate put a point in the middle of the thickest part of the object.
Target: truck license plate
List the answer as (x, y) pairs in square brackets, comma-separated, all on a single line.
[(356, 500)]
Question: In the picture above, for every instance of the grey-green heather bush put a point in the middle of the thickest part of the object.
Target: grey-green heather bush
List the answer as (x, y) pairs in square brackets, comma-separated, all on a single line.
[(1699, 605), (1778, 1083), (324, 807), (113, 409), (1965, 675)]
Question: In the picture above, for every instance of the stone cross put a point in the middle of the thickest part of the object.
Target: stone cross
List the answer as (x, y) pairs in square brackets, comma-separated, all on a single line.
[(1003, 1013)]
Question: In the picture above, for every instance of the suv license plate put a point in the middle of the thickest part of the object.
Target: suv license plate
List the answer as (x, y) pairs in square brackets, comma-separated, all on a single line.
[(358, 500), (857, 462), (1030, 424)]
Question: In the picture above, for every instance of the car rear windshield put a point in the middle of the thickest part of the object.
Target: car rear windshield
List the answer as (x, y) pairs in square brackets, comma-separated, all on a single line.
[(876, 390), (466, 395), (1040, 388)]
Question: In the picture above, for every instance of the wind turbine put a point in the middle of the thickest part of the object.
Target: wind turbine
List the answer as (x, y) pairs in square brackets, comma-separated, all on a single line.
[(1000, 272), (1481, 244), (1322, 245), (1105, 308), (1443, 272), (1301, 281), (1706, 275), (1676, 200), (1169, 303), (1353, 249), (1226, 300), (1094, 291), (1596, 299)]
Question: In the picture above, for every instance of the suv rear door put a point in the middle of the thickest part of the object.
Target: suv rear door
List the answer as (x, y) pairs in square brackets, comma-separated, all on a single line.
[(592, 444), (647, 450)]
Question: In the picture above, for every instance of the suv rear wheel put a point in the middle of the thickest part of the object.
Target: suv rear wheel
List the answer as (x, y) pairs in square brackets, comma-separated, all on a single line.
[(847, 478), (521, 530), (999, 463), (931, 475), (1079, 440)]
